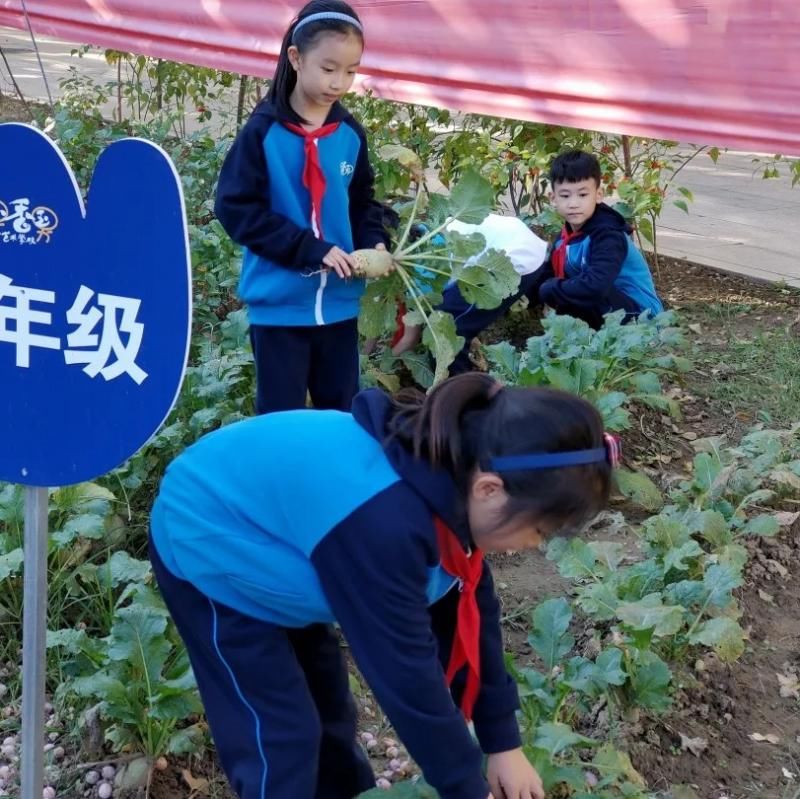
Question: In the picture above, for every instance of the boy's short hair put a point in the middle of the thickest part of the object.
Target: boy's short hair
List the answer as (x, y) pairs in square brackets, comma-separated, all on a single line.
[(574, 166)]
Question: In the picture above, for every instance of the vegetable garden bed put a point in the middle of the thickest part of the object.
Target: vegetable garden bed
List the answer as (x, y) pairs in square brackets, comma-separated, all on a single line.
[(660, 658)]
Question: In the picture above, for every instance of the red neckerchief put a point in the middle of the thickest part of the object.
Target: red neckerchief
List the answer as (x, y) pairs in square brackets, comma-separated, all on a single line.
[(467, 640), (559, 257), (400, 326), (313, 176)]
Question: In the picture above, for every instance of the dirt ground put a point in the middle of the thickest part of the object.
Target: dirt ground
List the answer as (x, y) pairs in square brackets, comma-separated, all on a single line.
[(12, 110)]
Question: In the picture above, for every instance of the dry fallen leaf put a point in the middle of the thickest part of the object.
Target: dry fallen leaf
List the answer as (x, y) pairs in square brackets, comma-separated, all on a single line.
[(786, 477), (788, 774), (790, 685), (196, 784), (682, 792), (694, 745), (777, 568), (770, 739), (786, 518)]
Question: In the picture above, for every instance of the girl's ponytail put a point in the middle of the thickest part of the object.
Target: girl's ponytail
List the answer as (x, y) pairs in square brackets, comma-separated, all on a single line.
[(434, 425), (285, 78)]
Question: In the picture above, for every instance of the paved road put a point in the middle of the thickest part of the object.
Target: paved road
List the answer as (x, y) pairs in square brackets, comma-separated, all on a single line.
[(738, 221)]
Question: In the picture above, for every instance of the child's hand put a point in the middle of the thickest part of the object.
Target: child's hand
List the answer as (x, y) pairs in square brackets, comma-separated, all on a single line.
[(412, 335), (382, 246), (341, 263), (511, 776)]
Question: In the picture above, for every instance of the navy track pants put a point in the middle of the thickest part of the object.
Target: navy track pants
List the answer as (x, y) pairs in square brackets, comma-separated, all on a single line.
[(292, 362), (277, 700)]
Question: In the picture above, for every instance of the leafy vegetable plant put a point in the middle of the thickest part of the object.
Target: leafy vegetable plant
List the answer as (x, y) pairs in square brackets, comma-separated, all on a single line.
[(416, 272), (618, 365), (139, 673)]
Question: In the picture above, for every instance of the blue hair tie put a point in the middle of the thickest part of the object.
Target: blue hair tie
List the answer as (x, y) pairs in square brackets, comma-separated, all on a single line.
[(323, 15), (609, 453)]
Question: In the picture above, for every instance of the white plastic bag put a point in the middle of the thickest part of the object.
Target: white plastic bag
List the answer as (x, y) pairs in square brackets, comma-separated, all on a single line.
[(510, 234)]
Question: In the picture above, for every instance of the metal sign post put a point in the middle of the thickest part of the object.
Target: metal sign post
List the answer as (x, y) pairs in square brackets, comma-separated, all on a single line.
[(34, 627), (95, 323)]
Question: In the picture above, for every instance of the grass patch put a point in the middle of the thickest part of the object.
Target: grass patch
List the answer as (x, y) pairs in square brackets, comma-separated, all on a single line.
[(750, 365)]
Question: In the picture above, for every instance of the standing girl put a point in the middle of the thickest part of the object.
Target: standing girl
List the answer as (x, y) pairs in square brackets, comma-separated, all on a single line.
[(296, 191), (259, 545)]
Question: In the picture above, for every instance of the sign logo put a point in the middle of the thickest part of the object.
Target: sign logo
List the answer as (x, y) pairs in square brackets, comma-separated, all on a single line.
[(21, 224)]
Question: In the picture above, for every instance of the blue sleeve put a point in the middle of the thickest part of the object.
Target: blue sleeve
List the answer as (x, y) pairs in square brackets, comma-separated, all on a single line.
[(608, 249), (373, 568), (366, 213), (495, 711), (243, 205)]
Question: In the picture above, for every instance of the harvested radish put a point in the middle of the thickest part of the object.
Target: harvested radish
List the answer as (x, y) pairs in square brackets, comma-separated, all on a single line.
[(372, 263)]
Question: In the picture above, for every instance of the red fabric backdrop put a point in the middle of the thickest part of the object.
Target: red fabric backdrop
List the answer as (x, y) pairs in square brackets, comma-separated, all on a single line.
[(723, 72)]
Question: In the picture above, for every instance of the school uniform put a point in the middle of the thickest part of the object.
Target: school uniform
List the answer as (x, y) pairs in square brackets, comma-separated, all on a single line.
[(597, 270), (268, 531), (288, 196)]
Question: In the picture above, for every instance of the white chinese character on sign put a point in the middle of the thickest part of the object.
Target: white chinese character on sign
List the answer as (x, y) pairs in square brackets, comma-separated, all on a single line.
[(23, 316), (105, 354), (21, 216)]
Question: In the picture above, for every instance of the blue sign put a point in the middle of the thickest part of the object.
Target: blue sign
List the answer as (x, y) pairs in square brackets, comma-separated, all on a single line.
[(95, 306)]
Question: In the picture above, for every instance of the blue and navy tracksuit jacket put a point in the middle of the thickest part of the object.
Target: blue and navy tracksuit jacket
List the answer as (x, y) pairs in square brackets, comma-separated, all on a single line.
[(601, 259), (264, 206), (311, 516)]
